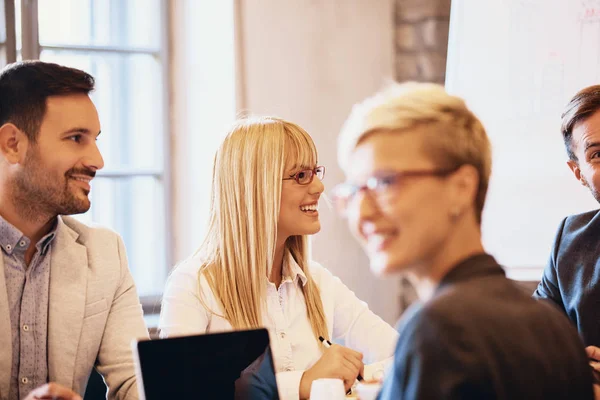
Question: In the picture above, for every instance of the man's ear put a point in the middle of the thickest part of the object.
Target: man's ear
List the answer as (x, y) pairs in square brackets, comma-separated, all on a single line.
[(465, 185), (576, 171), (13, 143)]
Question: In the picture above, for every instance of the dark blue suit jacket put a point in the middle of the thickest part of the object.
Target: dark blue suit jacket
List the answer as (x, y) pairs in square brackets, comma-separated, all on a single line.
[(571, 278)]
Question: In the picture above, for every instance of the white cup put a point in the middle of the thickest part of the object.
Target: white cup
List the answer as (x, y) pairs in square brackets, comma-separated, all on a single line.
[(327, 389), (368, 391)]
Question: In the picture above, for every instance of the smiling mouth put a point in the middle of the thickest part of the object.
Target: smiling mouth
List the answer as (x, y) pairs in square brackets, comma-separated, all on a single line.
[(81, 179), (310, 208), (82, 182)]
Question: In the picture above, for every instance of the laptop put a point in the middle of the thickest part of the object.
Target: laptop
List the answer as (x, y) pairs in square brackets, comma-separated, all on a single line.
[(232, 365)]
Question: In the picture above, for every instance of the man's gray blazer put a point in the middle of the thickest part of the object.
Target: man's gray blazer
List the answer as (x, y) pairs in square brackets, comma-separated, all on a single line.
[(93, 312)]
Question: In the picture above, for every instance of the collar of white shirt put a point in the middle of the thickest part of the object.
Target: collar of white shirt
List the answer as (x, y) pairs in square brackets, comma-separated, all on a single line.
[(291, 271)]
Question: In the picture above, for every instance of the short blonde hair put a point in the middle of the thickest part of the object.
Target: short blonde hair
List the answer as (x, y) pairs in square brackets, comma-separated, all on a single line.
[(457, 136)]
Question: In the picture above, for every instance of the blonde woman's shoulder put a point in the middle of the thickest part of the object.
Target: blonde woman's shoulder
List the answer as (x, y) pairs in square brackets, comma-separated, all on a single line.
[(182, 274), (186, 274), (187, 301), (190, 265)]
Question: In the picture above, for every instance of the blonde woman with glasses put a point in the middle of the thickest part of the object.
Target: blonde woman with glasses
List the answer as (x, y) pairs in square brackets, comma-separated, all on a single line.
[(253, 268), (418, 163)]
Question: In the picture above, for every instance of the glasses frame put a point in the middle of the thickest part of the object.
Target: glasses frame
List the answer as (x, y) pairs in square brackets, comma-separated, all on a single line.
[(371, 185), (313, 173)]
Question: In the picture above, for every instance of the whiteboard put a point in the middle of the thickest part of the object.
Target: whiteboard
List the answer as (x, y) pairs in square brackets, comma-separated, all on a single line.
[(517, 63)]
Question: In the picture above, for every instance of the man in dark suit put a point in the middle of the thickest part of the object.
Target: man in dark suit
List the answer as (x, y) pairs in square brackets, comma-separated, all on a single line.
[(572, 275)]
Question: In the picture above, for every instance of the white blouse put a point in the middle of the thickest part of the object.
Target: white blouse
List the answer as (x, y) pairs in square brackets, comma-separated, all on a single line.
[(295, 349)]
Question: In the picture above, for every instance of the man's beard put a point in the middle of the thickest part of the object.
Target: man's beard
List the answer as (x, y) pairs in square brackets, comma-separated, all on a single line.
[(37, 195)]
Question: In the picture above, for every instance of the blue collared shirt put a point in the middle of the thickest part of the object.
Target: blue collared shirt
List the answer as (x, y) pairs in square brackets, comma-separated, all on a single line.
[(27, 291)]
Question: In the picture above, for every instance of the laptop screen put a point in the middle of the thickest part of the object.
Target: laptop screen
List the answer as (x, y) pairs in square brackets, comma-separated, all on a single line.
[(231, 365)]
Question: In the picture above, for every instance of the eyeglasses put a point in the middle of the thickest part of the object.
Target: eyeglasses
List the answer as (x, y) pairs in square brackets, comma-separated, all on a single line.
[(306, 176), (379, 187)]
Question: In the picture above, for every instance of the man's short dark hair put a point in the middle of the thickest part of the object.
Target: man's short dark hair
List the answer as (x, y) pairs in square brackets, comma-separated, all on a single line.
[(585, 103), (25, 86)]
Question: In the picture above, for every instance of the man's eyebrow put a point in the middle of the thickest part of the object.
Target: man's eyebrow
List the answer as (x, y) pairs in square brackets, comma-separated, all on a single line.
[(589, 145), (81, 130)]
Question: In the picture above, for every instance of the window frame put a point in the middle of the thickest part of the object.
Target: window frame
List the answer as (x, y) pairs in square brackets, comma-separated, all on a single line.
[(11, 32), (31, 49)]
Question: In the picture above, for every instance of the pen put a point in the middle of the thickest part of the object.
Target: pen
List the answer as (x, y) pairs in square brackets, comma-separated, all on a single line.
[(327, 345)]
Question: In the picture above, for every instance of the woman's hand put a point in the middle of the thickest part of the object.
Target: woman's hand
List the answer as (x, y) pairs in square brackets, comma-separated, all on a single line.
[(336, 362)]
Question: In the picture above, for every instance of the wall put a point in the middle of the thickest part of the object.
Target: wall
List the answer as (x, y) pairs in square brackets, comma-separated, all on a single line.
[(421, 36), (310, 61), (203, 98)]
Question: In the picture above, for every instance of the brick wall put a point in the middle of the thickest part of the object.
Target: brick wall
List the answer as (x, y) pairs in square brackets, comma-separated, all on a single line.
[(421, 39)]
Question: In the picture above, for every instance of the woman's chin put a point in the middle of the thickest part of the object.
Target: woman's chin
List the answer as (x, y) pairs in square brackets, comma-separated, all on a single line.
[(307, 231), (316, 228)]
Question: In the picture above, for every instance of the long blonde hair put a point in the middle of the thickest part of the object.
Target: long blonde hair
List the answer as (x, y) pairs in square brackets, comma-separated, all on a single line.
[(237, 254)]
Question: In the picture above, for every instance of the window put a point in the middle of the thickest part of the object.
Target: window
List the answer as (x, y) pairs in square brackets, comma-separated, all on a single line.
[(123, 44), (7, 31)]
